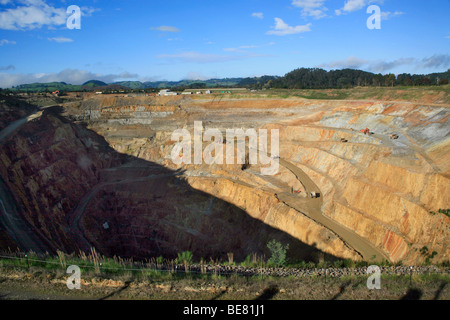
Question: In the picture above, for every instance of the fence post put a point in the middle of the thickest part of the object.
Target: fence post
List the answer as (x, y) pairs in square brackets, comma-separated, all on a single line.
[(410, 276)]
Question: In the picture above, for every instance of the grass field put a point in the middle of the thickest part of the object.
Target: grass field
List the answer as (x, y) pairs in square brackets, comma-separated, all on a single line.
[(424, 94)]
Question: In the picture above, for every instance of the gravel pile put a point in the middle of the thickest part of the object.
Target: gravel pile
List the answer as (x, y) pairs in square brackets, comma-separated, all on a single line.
[(296, 272)]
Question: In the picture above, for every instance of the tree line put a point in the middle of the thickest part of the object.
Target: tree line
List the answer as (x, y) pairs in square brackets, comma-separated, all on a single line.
[(316, 78)]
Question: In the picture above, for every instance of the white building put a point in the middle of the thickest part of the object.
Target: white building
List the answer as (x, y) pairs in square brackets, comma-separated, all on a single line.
[(167, 92)]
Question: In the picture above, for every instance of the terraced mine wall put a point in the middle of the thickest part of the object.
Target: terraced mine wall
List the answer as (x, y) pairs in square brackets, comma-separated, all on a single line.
[(131, 200)]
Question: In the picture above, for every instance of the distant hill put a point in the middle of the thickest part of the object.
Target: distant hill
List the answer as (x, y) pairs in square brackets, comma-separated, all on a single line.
[(227, 82), (51, 86), (131, 84), (94, 83), (303, 78)]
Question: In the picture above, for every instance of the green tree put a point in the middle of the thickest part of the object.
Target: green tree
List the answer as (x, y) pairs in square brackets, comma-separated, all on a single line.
[(278, 253), (389, 80), (185, 258)]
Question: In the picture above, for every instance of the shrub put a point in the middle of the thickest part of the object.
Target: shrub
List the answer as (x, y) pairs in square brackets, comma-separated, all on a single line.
[(185, 257), (278, 253), (442, 211), (349, 263), (338, 264)]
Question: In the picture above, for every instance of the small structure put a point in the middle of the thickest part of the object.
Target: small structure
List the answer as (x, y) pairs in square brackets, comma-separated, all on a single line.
[(394, 136), (365, 131), (167, 92), (315, 194), (344, 140)]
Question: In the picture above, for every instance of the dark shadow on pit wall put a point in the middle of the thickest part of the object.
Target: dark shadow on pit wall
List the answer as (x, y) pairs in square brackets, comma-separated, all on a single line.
[(135, 208)]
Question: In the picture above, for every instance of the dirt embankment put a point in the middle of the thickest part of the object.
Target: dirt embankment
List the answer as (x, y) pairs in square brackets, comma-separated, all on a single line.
[(46, 285)]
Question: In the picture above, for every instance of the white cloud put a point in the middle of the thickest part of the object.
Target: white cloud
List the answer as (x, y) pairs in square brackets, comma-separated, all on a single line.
[(383, 66), (72, 76), (34, 14), (437, 61), (193, 56), (258, 15), (377, 66), (60, 39), (7, 68), (351, 63), (311, 8), (308, 3), (88, 11), (196, 76), (197, 57), (240, 49), (380, 66), (166, 29), (388, 15), (4, 41), (354, 5), (282, 29)]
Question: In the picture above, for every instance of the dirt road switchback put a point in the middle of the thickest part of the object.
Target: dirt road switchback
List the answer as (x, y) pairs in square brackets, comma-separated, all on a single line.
[(311, 207)]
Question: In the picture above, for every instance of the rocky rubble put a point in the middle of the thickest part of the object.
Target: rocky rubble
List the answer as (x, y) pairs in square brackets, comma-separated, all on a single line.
[(305, 272)]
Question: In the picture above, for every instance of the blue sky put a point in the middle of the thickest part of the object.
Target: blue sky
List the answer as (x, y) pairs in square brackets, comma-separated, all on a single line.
[(174, 40)]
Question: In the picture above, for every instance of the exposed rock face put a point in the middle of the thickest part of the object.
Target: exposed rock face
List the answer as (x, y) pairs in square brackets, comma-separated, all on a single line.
[(78, 192), (381, 189), (12, 109), (48, 165)]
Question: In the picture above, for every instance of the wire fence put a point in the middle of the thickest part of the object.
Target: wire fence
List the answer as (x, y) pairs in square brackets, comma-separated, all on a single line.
[(205, 269), (219, 270)]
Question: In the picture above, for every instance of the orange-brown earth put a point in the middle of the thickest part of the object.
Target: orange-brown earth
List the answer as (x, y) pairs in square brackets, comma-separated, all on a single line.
[(125, 196)]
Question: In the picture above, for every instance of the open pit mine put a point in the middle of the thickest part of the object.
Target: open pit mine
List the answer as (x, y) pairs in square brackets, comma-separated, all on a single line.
[(356, 180)]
